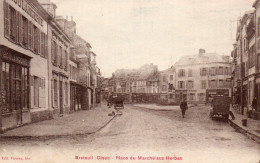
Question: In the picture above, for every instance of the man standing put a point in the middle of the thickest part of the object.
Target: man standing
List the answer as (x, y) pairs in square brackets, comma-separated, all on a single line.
[(183, 107)]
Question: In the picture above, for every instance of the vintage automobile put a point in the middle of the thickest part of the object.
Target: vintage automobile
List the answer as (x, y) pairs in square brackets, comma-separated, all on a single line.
[(118, 102), (220, 107)]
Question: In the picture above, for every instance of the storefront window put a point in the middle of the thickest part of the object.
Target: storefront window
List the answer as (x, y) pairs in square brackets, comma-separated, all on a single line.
[(14, 87)]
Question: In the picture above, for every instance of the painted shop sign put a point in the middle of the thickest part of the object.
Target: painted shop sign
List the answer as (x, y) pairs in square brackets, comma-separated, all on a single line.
[(7, 56), (23, 4)]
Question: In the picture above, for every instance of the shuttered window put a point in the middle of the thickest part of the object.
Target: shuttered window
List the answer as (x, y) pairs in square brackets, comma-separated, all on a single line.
[(19, 28), (24, 32), (7, 20), (13, 24)]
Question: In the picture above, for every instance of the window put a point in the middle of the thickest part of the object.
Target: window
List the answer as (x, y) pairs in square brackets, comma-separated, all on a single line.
[(181, 73), (192, 96), (66, 93), (6, 98), (201, 96), (42, 51), (14, 87), (30, 36), (13, 25), (53, 52), (190, 73), (226, 71), (203, 84), (7, 20), (203, 71), (189, 84), (213, 71), (36, 36), (213, 83), (66, 61), (55, 93), (164, 88), (19, 28), (251, 56), (181, 84), (36, 91), (164, 78), (171, 77), (25, 32), (220, 71), (220, 83)]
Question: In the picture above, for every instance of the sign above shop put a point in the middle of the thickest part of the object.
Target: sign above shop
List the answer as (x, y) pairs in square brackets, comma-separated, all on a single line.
[(23, 4), (12, 57)]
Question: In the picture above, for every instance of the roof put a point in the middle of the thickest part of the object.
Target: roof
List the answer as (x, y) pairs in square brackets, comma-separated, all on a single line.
[(203, 59)]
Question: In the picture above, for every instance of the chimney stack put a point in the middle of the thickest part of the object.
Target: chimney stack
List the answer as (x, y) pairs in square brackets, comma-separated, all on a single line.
[(201, 52)]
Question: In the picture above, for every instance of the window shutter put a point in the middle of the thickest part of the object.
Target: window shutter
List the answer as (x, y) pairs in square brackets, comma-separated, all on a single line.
[(52, 92), (42, 44), (30, 44), (46, 52), (7, 20), (19, 28), (52, 51)]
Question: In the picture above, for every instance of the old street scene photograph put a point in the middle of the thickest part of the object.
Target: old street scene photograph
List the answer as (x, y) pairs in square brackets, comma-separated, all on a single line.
[(130, 81)]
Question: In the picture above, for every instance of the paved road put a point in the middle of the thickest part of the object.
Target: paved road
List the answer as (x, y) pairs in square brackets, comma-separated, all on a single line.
[(144, 132)]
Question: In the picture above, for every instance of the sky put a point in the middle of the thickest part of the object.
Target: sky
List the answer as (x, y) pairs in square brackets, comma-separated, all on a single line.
[(131, 33)]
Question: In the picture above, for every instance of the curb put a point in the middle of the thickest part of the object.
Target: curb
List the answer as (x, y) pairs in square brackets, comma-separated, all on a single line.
[(246, 132), (46, 137)]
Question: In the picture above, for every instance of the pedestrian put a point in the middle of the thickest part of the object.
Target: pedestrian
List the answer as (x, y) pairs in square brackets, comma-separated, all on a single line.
[(183, 107), (254, 106)]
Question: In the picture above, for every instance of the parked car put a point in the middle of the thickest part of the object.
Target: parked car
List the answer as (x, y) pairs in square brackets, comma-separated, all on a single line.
[(220, 107)]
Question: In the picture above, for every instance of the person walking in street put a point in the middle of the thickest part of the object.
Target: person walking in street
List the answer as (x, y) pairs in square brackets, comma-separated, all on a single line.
[(183, 107), (254, 106)]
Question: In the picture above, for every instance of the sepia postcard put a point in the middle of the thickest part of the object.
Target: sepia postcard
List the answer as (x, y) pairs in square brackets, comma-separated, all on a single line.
[(130, 81)]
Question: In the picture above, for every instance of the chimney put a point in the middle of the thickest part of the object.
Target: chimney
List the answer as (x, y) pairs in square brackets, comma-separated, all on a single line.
[(71, 25), (49, 6), (201, 52)]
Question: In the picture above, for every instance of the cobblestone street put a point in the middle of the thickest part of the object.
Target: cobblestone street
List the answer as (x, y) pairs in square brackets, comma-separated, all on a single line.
[(144, 132)]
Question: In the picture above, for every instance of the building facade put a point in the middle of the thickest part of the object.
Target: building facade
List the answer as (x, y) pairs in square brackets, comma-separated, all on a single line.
[(43, 74), (201, 76), (167, 85), (24, 64)]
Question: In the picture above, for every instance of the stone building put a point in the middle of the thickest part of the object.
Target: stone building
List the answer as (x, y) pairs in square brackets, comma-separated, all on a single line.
[(58, 63), (200, 76), (246, 54), (167, 85), (46, 68), (24, 63)]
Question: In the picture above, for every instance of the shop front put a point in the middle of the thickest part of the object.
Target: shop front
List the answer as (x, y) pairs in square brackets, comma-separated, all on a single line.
[(180, 95), (14, 77), (257, 91)]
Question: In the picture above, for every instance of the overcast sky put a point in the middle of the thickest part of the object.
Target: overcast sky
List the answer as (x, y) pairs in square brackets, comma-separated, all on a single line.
[(130, 33)]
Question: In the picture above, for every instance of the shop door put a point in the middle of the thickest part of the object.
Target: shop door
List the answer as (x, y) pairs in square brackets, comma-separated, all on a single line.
[(61, 98)]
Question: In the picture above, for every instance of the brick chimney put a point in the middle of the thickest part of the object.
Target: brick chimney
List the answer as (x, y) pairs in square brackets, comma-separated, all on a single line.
[(71, 25), (49, 6), (201, 52)]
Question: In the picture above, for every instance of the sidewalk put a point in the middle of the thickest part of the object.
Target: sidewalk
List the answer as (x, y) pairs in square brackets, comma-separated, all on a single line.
[(161, 108), (252, 131), (78, 123)]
